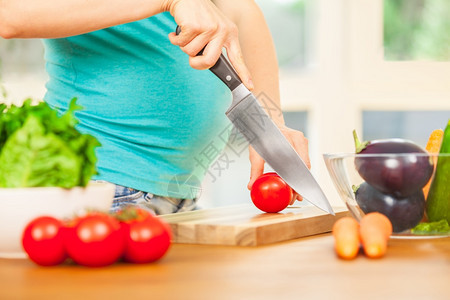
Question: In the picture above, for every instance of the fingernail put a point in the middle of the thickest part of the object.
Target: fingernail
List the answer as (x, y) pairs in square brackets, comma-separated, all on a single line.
[(250, 84)]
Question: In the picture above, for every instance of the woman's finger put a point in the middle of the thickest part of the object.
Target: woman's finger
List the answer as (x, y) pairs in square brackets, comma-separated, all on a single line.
[(300, 144), (236, 58), (184, 37), (196, 45), (209, 57)]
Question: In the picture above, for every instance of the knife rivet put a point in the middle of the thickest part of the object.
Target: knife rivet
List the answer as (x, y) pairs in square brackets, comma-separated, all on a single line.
[(228, 78)]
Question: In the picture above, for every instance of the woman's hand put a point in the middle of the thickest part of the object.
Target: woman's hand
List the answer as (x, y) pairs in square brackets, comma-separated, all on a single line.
[(203, 25), (300, 144)]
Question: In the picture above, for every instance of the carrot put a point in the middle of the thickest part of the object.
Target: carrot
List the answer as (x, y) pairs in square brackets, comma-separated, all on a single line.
[(433, 146), (375, 229), (346, 236)]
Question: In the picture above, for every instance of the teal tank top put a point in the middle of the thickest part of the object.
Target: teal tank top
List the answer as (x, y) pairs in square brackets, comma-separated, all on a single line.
[(160, 122)]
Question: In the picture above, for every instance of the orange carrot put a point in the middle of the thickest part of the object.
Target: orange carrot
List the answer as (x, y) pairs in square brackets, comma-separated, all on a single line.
[(346, 236), (433, 146), (375, 229)]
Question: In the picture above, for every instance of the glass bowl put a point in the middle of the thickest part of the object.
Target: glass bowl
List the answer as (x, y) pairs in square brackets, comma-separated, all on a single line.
[(399, 176)]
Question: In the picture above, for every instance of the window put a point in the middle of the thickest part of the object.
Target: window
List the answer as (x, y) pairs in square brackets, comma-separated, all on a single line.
[(22, 73), (288, 23), (412, 125), (417, 30)]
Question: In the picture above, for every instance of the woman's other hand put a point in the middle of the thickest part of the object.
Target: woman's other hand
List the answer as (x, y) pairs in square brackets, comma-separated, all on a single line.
[(300, 144)]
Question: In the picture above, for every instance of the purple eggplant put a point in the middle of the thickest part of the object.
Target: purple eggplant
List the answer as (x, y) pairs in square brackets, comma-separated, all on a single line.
[(404, 213), (393, 166)]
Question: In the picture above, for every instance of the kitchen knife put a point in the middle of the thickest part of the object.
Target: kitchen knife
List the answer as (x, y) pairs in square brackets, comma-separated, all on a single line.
[(257, 127)]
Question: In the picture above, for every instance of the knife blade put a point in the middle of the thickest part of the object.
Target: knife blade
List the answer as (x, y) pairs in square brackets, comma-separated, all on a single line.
[(248, 116)]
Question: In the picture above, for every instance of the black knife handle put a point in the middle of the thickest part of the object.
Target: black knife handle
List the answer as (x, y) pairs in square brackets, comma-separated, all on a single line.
[(222, 69)]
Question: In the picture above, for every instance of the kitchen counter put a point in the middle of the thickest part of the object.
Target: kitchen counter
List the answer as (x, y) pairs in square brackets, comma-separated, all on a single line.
[(305, 268)]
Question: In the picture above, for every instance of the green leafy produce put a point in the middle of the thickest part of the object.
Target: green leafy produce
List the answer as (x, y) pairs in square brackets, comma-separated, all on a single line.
[(440, 227), (438, 201), (40, 148)]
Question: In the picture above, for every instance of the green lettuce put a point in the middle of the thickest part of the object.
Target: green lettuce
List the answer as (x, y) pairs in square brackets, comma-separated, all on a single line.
[(439, 227), (40, 148)]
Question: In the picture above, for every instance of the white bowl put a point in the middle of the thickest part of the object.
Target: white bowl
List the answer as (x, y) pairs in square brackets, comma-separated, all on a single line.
[(18, 206)]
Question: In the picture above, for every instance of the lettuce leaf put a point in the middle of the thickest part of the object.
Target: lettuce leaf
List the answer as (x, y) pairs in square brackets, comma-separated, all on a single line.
[(40, 148)]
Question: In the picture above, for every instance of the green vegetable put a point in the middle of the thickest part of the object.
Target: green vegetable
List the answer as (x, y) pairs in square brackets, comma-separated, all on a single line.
[(440, 227), (438, 201), (40, 148)]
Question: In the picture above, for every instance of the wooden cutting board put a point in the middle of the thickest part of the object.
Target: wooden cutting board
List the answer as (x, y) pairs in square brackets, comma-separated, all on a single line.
[(245, 225)]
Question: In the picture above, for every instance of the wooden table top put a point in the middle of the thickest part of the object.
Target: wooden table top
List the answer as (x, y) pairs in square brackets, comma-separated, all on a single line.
[(305, 268)]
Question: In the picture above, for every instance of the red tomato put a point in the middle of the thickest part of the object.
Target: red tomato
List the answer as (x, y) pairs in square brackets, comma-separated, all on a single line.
[(95, 240), (42, 240), (147, 237), (270, 193)]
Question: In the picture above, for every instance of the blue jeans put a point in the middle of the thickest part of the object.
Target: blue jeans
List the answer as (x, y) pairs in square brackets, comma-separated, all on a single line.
[(158, 205)]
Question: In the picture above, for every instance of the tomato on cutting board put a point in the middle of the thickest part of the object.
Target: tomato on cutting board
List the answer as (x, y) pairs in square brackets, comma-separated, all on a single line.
[(42, 240), (147, 237), (94, 240), (270, 193)]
